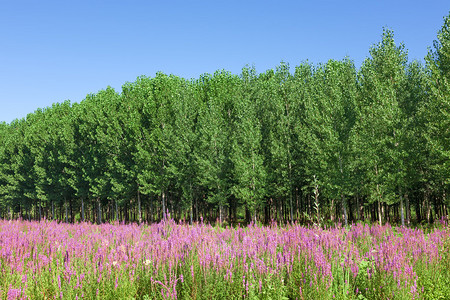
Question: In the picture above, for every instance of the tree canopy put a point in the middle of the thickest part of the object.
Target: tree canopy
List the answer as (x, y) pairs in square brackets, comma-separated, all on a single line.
[(309, 144)]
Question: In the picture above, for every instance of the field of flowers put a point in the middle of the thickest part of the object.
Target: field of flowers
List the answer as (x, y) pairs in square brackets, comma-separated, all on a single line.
[(47, 260)]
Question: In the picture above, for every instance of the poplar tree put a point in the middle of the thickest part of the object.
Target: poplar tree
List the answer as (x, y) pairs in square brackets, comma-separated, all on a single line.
[(280, 124), (417, 154), (249, 173), (48, 136), (219, 92), (379, 126), (5, 171), (152, 156), (330, 117), (20, 187), (436, 111), (184, 168)]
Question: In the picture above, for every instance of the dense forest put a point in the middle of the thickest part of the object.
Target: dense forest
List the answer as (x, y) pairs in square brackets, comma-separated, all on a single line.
[(317, 144)]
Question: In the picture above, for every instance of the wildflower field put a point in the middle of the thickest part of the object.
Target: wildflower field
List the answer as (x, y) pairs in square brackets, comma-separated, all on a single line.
[(49, 260)]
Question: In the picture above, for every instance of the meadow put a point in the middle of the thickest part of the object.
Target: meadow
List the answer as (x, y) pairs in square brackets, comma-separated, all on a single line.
[(169, 260)]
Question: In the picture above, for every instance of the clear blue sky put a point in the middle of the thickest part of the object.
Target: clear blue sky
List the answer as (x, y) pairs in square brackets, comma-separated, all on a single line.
[(51, 51)]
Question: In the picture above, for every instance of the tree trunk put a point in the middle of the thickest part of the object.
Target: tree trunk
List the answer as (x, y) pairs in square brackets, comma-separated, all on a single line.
[(117, 211), (408, 211), (291, 211), (379, 198), (361, 210), (151, 210), (402, 214), (332, 211), (99, 214), (418, 210), (72, 218), (163, 199), (82, 210), (444, 207), (344, 209), (191, 212), (66, 210), (426, 205), (139, 205), (358, 209), (379, 212)]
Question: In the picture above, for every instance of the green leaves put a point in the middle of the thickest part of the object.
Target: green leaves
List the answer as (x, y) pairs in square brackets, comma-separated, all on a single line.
[(256, 144), (436, 111), (380, 123)]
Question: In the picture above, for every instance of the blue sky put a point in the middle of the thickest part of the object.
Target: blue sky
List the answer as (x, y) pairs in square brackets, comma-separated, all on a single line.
[(51, 51)]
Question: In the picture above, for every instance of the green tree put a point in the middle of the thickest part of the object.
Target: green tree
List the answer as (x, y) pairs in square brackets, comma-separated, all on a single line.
[(184, 168), (416, 152), (436, 111), (216, 118), (330, 117), (249, 173), (279, 118), (48, 139), (20, 188), (378, 130)]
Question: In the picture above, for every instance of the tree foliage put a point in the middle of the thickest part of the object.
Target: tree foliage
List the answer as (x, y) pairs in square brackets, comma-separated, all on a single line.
[(326, 141)]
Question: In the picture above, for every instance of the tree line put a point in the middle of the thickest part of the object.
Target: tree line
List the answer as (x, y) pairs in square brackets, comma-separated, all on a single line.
[(316, 143)]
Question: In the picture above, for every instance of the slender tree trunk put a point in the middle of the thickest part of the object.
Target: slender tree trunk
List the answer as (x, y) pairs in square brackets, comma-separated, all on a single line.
[(379, 198), (402, 214), (309, 205), (108, 213), (163, 199), (277, 210), (290, 194), (139, 205), (361, 210), (151, 210), (99, 215), (230, 211), (82, 210), (344, 205), (117, 211), (358, 209), (191, 212), (344, 209), (53, 210), (419, 214), (350, 209), (436, 207), (72, 218), (427, 205), (332, 210), (444, 208), (66, 210), (408, 210), (379, 212)]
